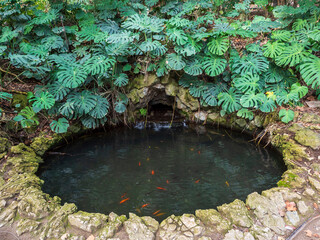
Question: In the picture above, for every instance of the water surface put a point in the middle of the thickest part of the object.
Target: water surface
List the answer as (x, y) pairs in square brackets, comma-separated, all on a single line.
[(159, 170)]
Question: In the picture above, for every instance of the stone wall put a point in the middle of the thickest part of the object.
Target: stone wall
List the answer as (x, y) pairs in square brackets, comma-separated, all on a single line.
[(274, 214)]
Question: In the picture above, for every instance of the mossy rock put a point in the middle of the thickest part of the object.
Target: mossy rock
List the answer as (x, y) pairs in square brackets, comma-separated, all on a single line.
[(143, 81), (19, 101), (43, 143), (211, 217), (291, 179), (308, 138), (237, 212), (290, 149), (4, 144), (310, 118)]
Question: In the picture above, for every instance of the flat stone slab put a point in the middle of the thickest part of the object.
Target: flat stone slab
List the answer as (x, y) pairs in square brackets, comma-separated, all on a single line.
[(309, 230), (313, 104)]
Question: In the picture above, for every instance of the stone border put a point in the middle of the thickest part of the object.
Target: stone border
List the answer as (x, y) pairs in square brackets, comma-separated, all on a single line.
[(274, 214)]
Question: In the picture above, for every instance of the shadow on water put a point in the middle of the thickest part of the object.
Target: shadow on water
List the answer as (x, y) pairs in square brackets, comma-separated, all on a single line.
[(159, 171)]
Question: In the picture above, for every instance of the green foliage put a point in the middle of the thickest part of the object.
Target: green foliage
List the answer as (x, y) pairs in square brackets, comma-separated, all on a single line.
[(286, 115), (27, 117), (85, 55), (60, 126)]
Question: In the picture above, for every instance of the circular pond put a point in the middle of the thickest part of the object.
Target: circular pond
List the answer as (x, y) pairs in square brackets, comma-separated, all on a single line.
[(159, 171)]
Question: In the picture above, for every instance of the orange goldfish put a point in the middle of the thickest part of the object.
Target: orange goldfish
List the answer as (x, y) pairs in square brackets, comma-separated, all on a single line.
[(148, 159), (139, 164), (191, 149), (197, 181), (167, 181), (161, 188), (227, 184), (144, 205), (156, 212), (124, 200), (152, 172), (124, 195), (160, 214), (199, 152)]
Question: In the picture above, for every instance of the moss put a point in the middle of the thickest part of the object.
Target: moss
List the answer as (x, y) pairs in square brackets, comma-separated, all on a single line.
[(310, 118), (42, 143), (4, 144), (141, 81), (290, 149), (291, 179), (308, 138), (19, 101), (270, 118)]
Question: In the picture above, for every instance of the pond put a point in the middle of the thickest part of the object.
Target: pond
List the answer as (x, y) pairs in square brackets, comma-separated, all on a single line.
[(159, 171)]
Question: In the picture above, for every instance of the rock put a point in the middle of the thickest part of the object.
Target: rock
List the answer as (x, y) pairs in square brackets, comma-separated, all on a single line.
[(237, 212), (293, 217), (310, 118), (151, 223), (35, 204), (19, 101), (202, 115), (211, 217), (309, 192), (26, 225), (291, 179), (143, 81), (137, 230), (8, 214), (267, 212), (314, 183), (56, 225), (313, 104), (185, 101), (238, 235), (89, 222), (241, 122), (302, 207), (112, 227), (172, 89), (42, 143), (261, 233), (308, 138), (205, 238), (4, 144), (258, 121), (185, 227), (289, 148)]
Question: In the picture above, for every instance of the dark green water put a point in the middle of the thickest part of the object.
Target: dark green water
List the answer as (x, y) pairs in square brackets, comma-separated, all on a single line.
[(196, 169)]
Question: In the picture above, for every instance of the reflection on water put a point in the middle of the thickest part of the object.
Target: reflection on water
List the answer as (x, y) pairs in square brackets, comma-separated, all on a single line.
[(174, 170)]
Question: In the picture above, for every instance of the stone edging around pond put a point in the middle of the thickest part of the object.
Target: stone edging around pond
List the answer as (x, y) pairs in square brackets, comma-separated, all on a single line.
[(31, 214)]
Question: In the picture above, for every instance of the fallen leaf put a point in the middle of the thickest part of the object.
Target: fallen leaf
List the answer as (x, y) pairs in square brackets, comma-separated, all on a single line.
[(291, 206), (315, 205), (308, 233), (91, 237), (316, 235), (281, 238)]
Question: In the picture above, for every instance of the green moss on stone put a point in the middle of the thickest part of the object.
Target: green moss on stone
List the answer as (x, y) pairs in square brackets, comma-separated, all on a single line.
[(291, 179), (19, 101)]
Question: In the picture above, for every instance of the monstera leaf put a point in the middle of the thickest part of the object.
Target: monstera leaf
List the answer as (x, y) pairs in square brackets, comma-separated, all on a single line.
[(230, 101), (177, 35), (247, 83), (291, 55), (267, 105), (218, 46), (72, 77), (45, 101), (58, 90), (84, 101), (245, 113), (251, 63), (310, 71), (286, 115), (194, 66), (214, 65), (281, 35), (121, 80), (175, 61), (273, 49), (60, 126), (251, 100), (98, 64), (101, 108)]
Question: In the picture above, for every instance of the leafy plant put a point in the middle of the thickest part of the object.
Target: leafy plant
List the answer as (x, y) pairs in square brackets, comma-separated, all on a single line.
[(286, 115)]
